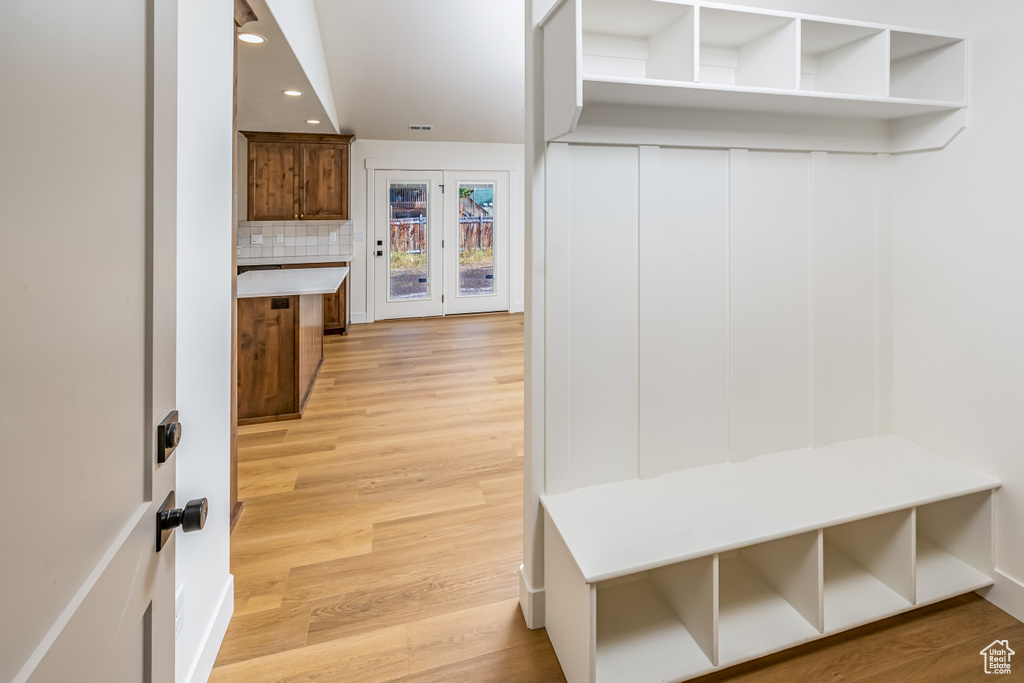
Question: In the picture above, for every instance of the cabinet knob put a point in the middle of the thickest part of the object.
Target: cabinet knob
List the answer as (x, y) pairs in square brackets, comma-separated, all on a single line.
[(302, 216), (296, 215)]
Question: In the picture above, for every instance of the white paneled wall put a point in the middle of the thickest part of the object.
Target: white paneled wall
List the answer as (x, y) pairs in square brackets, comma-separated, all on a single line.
[(684, 308), (712, 306), (592, 323), (844, 242), (769, 302)]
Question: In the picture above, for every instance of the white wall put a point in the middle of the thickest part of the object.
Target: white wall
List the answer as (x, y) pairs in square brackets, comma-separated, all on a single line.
[(205, 161), (444, 156), (959, 287), (761, 325)]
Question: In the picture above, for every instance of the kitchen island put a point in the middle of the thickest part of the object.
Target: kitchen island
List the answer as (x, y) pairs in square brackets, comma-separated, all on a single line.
[(280, 339)]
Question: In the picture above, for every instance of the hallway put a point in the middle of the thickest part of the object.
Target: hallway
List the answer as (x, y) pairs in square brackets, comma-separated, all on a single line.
[(382, 533)]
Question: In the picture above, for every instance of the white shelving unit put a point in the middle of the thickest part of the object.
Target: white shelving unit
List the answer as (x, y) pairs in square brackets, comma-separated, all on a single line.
[(692, 571), (708, 56)]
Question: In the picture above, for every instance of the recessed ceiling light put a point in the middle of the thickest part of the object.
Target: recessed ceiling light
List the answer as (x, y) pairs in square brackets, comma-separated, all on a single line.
[(253, 38), (312, 121), (293, 93)]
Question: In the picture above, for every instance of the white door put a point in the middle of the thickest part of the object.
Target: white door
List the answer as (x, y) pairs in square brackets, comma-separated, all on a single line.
[(87, 269), (407, 244), (440, 243), (476, 258)]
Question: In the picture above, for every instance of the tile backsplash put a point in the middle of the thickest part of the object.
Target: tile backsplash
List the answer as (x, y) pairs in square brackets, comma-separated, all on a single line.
[(295, 238)]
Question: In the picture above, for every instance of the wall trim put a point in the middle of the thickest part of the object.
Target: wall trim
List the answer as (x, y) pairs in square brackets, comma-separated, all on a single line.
[(202, 665), (440, 164), (531, 600), (1007, 594)]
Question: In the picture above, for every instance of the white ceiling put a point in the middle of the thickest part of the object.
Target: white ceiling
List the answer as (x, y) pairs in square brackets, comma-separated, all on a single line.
[(455, 64), (264, 71)]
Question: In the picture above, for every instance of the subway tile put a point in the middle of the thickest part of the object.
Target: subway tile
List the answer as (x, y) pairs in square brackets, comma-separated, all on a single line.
[(289, 231), (323, 241), (322, 251), (322, 230), (278, 252), (334, 251), (289, 251), (289, 241)]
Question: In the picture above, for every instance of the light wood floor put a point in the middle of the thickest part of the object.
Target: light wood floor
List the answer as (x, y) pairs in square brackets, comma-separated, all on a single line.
[(383, 533)]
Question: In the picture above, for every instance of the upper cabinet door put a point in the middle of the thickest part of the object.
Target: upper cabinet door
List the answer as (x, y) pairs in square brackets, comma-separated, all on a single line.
[(273, 181), (324, 182)]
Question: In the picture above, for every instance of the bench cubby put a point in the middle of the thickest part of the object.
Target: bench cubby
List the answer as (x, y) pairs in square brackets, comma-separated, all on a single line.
[(668, 578)]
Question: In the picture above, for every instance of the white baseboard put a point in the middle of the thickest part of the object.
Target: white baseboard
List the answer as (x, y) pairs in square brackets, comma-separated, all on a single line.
[(202, 667), (531, 600), (517, 307), (357, 318), (1007, 594)]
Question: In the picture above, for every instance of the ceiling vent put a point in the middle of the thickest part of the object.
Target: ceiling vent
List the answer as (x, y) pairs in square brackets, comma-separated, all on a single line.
[(421, 126)]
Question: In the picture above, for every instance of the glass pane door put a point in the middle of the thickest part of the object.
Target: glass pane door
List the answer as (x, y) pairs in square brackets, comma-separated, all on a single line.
[(476, 239), (407, 234), (476, 242), (408, 241)]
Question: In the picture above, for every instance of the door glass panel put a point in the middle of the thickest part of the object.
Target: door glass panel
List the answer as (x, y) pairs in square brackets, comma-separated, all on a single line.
[(476, 239), (408, 270)]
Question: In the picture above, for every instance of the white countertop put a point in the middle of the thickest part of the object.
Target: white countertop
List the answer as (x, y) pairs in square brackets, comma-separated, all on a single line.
[(293, 260), (260, 283)]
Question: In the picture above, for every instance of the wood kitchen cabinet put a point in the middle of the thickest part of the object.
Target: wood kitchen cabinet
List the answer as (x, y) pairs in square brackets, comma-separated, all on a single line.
[(335, 306), (298, 177)]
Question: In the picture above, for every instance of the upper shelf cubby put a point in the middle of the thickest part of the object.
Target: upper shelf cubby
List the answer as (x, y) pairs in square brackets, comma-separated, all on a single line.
[(746, 49), (696, 55), (837, 58), (927, 67), (639, 39)]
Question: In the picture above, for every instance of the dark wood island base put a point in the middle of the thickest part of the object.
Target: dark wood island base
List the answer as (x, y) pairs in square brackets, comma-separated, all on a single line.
[(280, 351)]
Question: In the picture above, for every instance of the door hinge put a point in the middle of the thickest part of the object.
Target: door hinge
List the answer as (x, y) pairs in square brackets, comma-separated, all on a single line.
[(442, 189), (442, 244), (442, 298)]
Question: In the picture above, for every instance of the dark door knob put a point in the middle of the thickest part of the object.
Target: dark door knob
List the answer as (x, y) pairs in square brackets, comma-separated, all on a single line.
[(190, 518)]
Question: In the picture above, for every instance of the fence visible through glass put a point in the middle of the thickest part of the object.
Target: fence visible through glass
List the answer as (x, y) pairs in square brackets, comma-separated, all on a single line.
[(476, 239), (408, 269)]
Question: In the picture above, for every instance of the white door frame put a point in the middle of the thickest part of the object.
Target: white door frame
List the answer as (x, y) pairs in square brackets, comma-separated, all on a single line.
[(372, 164)]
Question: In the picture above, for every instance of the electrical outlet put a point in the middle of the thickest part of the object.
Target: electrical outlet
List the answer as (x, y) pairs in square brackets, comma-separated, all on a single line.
[(179, 611), (359, 237), (256, 239), (280, 238), (334, 237)]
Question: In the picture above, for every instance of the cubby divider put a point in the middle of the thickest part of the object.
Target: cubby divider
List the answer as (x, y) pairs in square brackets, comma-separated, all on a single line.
[(769, 597), (954, 547), (869, 570)]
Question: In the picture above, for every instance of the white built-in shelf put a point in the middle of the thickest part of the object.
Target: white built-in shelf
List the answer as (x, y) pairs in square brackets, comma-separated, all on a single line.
[(723, 507), (671, 577), (711, 56)]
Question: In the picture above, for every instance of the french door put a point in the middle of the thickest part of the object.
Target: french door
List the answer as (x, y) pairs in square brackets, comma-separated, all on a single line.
[(440, 243)]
